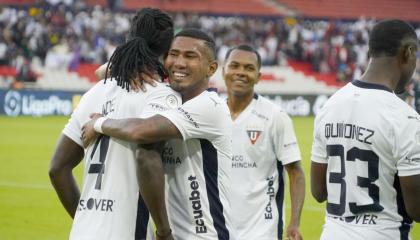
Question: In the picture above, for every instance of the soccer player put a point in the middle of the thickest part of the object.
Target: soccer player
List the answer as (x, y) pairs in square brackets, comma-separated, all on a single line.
[(264, 143), (197, 156), (366, 148), (110, 206)]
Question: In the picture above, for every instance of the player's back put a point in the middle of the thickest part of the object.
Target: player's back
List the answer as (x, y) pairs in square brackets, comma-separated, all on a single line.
[(363, 133), (110, 206)]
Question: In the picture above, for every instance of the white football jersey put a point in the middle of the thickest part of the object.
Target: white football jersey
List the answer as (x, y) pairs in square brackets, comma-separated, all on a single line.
[(368, 137), (263, 141), (198, 170), (110, 206)]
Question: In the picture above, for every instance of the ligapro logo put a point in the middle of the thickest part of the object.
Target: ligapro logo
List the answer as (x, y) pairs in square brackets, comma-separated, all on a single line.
[(17, 103), (12, 103)]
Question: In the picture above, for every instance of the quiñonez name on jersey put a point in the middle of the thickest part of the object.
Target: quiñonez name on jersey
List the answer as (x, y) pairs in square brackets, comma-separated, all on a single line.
[(196, 205), (346, 130), (103, 205)]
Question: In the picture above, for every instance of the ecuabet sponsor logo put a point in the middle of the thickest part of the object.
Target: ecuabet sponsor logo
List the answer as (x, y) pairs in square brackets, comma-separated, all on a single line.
[(270, 193), (195, 200)]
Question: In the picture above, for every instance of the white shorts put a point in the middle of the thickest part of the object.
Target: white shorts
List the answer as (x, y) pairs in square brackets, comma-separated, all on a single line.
[(337, 229)]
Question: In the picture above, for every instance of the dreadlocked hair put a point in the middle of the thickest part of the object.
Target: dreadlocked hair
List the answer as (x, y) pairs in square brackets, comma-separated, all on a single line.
[(149, 37)]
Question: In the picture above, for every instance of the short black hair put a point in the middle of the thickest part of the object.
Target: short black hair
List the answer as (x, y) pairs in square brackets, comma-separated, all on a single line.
[(245, 47), (386, 36), (150, 35), (198, 34)]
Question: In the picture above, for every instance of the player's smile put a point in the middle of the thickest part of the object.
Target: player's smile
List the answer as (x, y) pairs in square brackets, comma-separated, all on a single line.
[(179, 75), (240, 80)]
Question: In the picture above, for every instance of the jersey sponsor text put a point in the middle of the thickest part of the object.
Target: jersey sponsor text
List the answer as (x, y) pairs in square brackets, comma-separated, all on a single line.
[(168, 156), (188, 116), (363, 219), (103, 205), (238, 162), (195, 199), (270, 193)]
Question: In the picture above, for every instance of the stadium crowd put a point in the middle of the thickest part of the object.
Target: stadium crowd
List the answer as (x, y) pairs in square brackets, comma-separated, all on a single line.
[(62, 36)]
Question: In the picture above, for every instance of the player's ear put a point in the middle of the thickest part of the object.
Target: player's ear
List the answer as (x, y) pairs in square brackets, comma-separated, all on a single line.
[(258, 78), (407, 52), (212, 68)]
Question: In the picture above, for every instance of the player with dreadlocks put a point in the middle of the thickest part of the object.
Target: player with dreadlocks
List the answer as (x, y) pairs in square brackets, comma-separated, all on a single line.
[(110, 206), (140, 54)]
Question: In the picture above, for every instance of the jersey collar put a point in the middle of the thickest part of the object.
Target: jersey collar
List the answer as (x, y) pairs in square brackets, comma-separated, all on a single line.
[(361, 84)]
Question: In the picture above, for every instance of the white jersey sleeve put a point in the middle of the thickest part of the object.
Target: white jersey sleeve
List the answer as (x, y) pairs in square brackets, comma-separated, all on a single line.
[(88, 104), (285, 142), (198, 117), (407, 147), (319, 152), (161, 99)]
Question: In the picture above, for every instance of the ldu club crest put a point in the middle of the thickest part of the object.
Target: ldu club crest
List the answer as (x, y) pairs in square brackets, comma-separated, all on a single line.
[(254, 132)]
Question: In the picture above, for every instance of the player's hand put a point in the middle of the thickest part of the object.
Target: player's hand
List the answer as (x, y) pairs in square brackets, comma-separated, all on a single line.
[(166, 236), (293, 233), (88, 132), (138, 83)]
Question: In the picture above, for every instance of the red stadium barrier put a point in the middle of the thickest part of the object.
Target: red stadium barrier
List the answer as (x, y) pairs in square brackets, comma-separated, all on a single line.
[(88, 70), (306, 68), (344, 9), (17, 2), (7, 71)]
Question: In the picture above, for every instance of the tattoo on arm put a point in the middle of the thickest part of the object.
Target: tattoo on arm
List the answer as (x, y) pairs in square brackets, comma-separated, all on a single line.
[(149, 130)]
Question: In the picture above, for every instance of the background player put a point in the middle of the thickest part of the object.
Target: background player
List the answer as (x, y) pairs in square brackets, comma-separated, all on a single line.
[(263, 143), (110, 206), (366, 149)]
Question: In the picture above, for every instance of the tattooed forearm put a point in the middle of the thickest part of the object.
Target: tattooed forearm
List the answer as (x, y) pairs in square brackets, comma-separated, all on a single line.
[(149, 130)]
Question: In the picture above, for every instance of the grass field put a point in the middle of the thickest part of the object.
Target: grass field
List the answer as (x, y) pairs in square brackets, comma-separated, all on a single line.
[(29, 208)]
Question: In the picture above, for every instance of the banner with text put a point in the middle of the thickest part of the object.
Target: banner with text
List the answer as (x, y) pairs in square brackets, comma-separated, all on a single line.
[(38, 103), (43, 103)]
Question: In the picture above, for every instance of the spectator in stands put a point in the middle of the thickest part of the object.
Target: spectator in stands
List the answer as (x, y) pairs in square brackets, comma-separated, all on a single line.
[(328, 45)]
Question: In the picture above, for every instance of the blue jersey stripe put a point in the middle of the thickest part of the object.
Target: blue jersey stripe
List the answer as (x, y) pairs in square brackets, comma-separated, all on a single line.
[(142, 220), (210, 167), (279, 200), (407, 221), (367, 85)]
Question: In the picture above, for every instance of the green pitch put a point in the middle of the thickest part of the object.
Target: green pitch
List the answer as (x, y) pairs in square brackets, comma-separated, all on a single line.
[(29, 208)]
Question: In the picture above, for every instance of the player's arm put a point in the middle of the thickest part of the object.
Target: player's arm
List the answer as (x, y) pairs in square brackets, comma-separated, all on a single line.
[(149, 130), (297, 195), (151, 181), (67, 155), (100, 72), (319, 163), (319, 181), (407, 152), (410, 187)]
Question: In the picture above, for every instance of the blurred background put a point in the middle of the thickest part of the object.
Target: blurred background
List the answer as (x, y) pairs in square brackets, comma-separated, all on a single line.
[(49, 50), (309, 48)]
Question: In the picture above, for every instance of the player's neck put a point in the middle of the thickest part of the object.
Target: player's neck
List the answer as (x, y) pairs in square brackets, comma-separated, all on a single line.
[(237, 104), (381, 71), (193, 92)]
